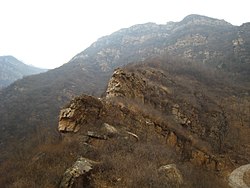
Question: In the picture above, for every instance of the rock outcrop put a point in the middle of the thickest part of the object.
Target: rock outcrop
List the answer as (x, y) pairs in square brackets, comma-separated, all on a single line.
[(149, 95), (80, 169), (172, 173), (236, 178), (81, 111)]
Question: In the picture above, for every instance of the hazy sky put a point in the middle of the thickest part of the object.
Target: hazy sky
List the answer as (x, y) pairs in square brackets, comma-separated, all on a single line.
[(48, 33)]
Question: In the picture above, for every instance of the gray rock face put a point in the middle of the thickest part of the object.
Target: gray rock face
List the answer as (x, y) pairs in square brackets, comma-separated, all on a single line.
[(236, 178), (80, 168)]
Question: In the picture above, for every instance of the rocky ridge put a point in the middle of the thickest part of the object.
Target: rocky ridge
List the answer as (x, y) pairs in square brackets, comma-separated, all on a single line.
[(193, 38), (148, 96)]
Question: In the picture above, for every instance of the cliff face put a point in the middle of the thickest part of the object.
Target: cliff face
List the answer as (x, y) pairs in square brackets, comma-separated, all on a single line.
[(187, 111)]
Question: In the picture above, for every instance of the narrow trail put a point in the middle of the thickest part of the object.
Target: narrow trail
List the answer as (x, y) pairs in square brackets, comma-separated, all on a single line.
[(236, 177)]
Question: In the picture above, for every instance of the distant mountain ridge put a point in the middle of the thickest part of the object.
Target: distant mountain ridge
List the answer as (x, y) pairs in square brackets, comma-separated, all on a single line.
[(196, 38), (11, 69)]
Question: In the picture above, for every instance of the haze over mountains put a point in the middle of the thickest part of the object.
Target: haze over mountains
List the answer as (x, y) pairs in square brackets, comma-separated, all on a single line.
[(11, 69), (197, 64)]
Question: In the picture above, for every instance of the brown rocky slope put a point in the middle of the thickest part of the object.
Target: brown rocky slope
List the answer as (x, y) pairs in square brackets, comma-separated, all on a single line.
[(189, 110)]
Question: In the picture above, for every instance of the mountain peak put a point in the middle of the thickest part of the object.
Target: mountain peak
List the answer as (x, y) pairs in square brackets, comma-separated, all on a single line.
[(204, 20), (10, 59)]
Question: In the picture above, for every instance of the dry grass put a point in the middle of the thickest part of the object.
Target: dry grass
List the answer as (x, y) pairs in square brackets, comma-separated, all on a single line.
[(41, 165)]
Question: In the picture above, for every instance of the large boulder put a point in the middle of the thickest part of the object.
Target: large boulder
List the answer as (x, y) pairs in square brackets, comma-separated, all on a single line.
[(79, 169), (172, 173)]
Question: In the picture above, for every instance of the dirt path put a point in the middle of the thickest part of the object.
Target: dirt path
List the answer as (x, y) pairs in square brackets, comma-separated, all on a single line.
[(236, 177)]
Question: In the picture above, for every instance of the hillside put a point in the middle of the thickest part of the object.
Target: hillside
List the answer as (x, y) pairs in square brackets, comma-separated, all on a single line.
[(198, 38), (11, 69), (29, 107), (161, 113), (196, 112)]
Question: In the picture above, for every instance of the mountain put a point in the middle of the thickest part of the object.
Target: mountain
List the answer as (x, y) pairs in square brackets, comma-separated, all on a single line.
[(182, 93), (33, 103), (11, 69), (196, 38)]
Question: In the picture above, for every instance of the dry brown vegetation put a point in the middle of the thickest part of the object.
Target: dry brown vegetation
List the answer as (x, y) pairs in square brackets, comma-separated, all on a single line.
[(124, 163)]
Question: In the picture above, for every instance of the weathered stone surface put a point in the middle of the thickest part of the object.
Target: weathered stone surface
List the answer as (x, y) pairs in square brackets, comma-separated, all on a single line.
[(80, 168), (236, 178), (172, 173), (172, 139), (80, 111), (96, 135), (180, 117), (66, 125), (123, 84), (110, 129)]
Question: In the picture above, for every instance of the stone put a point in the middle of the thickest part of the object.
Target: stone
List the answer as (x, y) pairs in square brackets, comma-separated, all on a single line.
[(82, 110), (172, 173), (110, 129), (65, 125), (80, 168), (236, 178), (172, 139), (96, 135)]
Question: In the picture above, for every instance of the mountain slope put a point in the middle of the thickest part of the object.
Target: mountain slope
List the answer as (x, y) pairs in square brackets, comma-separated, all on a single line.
[(161, 111), (199, 103), (12, 69), (196, 110), (34, 101)]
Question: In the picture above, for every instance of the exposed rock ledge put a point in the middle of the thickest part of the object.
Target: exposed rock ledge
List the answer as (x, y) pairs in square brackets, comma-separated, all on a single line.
[(128, 93)]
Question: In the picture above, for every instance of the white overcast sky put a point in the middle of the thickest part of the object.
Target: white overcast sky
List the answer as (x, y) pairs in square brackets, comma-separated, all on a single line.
[(48, 33)]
